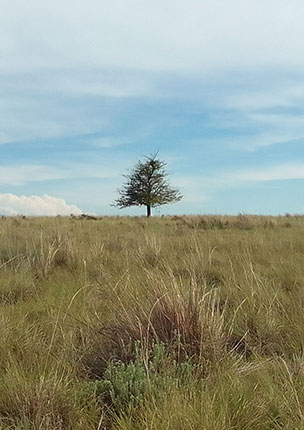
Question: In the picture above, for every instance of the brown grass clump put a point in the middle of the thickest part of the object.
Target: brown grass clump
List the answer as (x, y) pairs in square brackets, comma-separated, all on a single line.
[(188, 321)]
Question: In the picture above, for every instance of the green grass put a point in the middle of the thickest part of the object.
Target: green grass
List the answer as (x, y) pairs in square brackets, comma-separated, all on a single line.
[(172, 323)]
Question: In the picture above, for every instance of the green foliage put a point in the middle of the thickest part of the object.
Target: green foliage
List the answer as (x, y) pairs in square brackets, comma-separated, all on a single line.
[(127, 385), (147, 185)]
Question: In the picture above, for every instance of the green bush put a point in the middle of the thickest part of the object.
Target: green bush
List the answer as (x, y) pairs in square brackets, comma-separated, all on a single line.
[(126, 386)]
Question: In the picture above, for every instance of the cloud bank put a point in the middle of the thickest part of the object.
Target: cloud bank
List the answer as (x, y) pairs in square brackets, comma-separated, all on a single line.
[(160, 35), (240, 57), (11, 204)]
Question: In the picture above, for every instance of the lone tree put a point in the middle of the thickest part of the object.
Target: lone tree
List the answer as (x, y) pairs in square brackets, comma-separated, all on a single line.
[(147, 185)]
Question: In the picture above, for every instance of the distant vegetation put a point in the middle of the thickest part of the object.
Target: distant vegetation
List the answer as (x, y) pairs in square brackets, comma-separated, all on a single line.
[(147, 185), (172, 323)]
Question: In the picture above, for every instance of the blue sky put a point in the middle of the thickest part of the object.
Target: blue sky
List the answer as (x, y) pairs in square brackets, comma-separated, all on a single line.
[(88, 88)]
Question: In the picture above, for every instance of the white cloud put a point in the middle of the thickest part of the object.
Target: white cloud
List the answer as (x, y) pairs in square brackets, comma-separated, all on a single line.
[(159, 35), (271, 173), (103, 84), (280, 120), (109, 142), (262, 98), (281, 128), (25, 115), (223, 180), (16, 175), (202, 186), (11, 204), (55, 55), (20, 175)]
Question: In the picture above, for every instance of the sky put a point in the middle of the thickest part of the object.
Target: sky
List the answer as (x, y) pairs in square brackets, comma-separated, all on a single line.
[(87, 88)]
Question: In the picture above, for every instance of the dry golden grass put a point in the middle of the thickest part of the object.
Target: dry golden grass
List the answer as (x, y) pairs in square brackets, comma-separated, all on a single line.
[(191, 322)]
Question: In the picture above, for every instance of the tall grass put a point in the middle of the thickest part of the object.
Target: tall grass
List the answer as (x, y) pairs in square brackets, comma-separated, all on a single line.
[(172, 323)]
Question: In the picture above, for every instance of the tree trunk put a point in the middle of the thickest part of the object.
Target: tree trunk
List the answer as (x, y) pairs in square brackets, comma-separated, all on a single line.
[(148, 210)]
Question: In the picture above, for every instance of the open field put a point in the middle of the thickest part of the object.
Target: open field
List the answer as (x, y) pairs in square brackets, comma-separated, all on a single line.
[(174, 323)]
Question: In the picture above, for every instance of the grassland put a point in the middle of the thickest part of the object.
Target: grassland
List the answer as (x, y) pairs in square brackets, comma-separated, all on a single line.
[(174, 323)]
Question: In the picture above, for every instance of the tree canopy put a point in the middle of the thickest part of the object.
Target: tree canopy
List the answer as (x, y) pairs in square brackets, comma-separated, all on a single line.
[(147, 185)]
